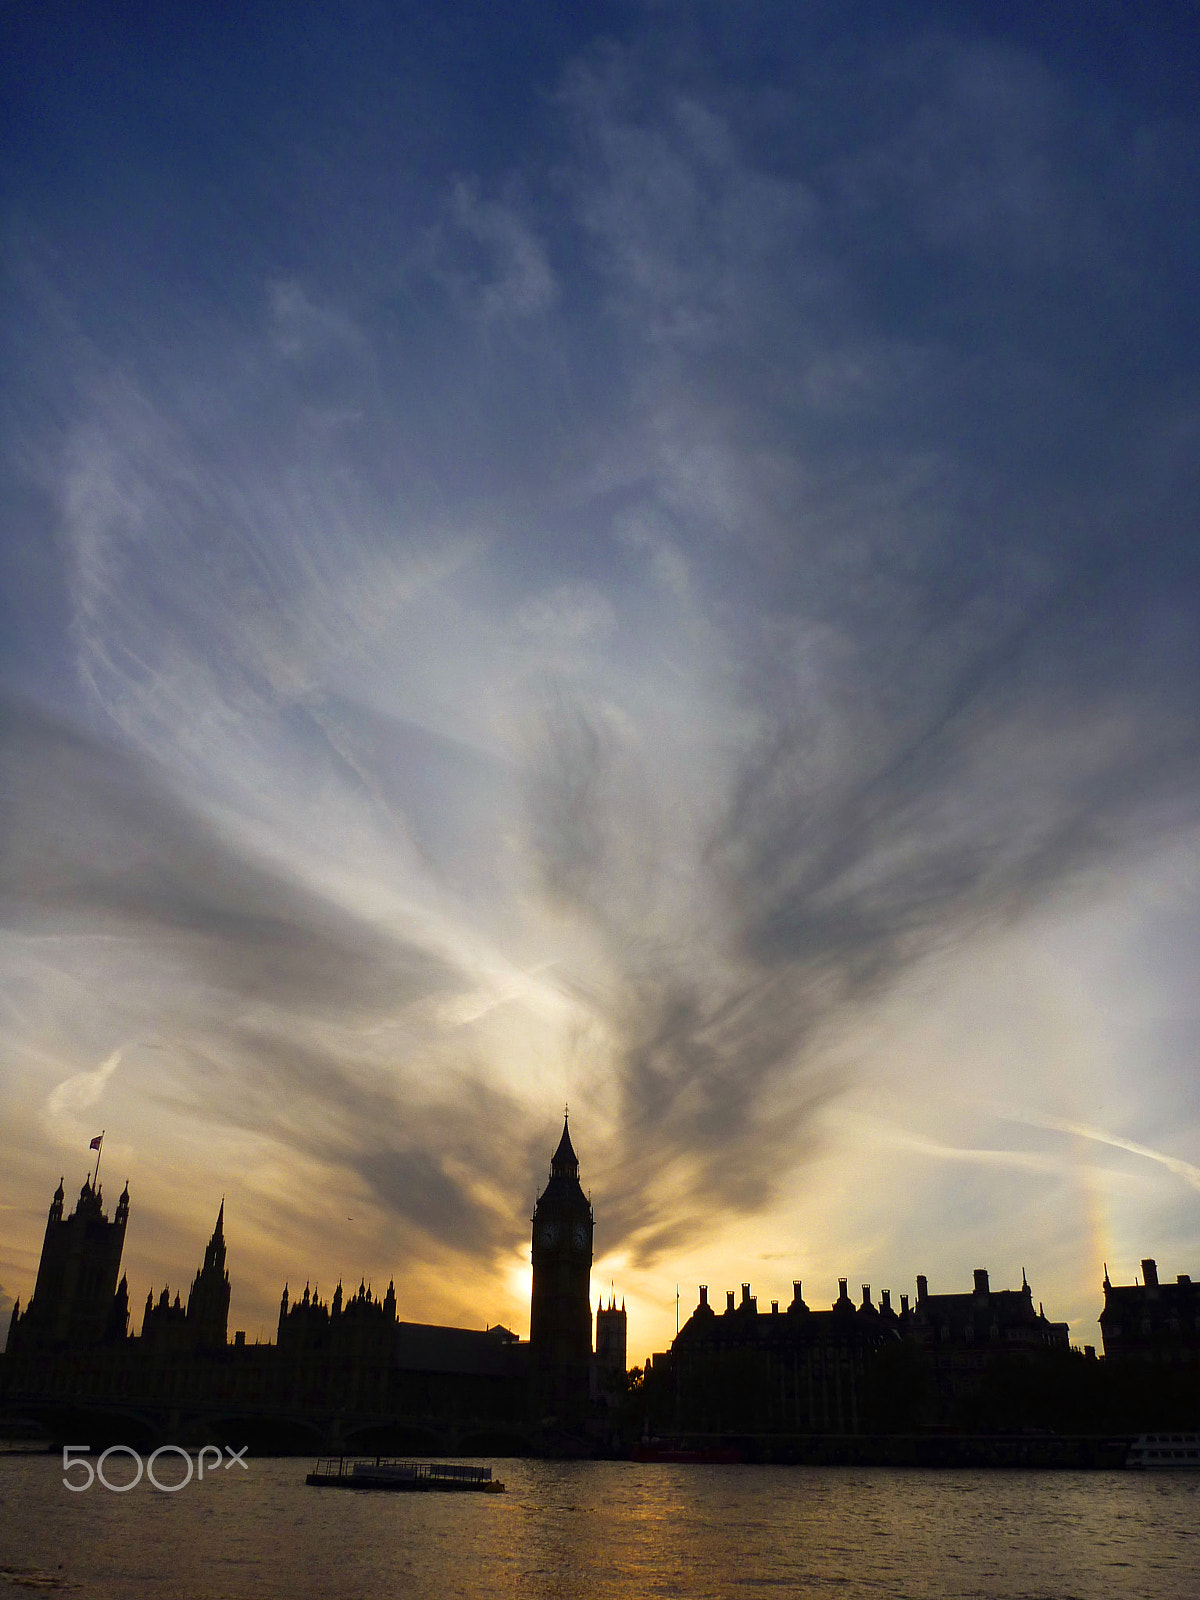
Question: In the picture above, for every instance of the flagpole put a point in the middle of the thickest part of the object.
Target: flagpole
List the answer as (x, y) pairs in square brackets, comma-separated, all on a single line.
[(99, 1153)]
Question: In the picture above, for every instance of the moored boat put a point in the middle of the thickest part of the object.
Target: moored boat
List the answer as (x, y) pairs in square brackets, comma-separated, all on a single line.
[(401, 1477), (1165, 1452)]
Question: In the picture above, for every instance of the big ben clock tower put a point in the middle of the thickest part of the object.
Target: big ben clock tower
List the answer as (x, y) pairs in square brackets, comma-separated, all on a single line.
[(560, 1315)]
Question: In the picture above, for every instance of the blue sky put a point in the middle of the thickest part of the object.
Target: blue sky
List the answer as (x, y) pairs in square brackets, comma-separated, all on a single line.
[(647, 560)]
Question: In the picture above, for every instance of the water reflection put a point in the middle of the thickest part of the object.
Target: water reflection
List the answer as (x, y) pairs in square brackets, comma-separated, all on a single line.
[(613, 1529)]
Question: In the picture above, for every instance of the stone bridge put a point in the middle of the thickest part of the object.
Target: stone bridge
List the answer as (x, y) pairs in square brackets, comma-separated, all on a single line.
[(264, 1429)]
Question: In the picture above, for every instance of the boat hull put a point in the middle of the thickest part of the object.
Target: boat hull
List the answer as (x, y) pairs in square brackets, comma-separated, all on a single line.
[(333, 1480), (402, 1477)]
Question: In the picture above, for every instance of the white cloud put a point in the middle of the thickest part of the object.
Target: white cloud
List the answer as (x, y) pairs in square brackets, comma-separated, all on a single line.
[(489, 257), (568, 614), (62, 1112)]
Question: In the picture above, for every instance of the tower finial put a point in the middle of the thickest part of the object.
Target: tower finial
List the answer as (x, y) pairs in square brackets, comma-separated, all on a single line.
[(564, 1163)]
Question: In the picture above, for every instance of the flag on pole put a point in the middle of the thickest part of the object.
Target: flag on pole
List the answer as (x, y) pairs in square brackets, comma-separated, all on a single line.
[(96, 1142)]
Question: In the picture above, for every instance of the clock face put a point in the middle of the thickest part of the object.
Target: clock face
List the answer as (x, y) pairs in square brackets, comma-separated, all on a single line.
[(549, 1232), (579, 1236)]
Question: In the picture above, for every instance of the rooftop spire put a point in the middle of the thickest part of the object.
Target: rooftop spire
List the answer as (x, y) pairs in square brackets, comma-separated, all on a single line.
[(564, 1163)]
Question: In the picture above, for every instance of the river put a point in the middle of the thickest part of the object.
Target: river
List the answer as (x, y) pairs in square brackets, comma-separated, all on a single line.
[(606, 1529)]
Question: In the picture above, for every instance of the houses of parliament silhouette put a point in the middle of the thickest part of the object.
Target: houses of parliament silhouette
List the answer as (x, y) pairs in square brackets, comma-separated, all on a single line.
[(348, 1374)]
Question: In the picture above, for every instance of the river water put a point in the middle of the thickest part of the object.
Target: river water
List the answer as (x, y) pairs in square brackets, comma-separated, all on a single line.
[(605, 1529)]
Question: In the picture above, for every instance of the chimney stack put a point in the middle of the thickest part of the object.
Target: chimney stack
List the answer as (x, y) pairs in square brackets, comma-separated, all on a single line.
[(1150, 1273), (981, 1280)]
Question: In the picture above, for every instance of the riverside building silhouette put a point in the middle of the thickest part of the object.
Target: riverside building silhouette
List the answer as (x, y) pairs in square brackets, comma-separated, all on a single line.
[(850, 1368), (342, 1372), (962, 1334), (1152, 1322), (795, 1369), (347, 1373)]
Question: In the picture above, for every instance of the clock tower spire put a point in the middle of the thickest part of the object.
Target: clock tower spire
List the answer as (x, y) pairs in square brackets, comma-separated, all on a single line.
[(560, 1315)]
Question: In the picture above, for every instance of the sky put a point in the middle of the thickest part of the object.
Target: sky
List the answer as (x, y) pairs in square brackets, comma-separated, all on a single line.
[(642, 556)]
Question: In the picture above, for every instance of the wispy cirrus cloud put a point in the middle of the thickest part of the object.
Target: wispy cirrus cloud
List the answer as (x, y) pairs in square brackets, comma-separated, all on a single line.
[(949, 710), (1188, 1171), (77, 1094), (94, 834)]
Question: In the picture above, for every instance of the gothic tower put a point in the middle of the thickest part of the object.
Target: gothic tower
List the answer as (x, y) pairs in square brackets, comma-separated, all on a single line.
[(208, 1302), (611, 1347), (76, 1289), (560, 1314)]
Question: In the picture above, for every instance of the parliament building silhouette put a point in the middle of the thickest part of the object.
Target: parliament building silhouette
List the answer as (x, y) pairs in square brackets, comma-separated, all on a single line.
[(344, 1373), (348, 1374)]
